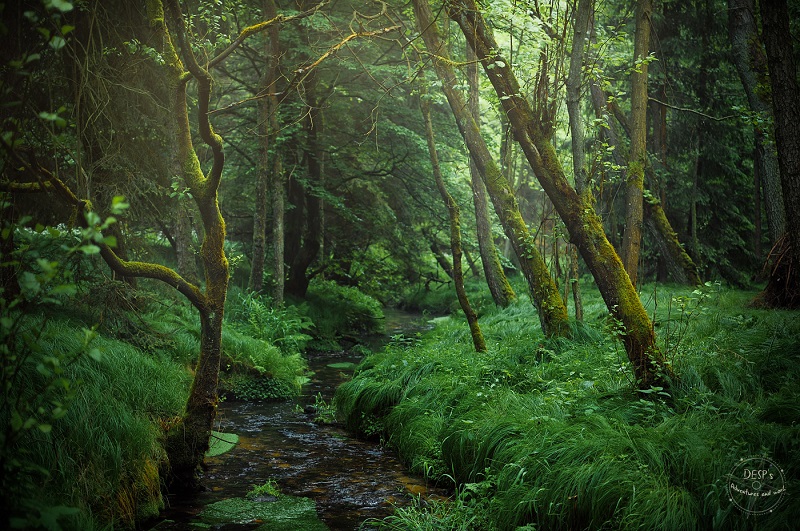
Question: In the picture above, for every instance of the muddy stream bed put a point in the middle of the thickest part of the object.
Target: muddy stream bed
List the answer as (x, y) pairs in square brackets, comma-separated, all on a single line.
[(349, 480)]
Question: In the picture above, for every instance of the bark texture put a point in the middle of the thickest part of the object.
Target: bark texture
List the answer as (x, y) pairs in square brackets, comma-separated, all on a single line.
[(637, 158), (751, 64), (578, 214), (786, 108), (502, 292), (454, 213), (544, 293)]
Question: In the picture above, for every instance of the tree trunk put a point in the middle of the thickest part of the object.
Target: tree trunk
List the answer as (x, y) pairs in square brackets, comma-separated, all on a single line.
[(574, 79), (583, 12), (678, 261), (268, 108), (454, 213), (751, 64), (188, 442), (441, 259), (637, 158), (544, 292), (786, 108), (582, 222), (184, 247), (502, 292)]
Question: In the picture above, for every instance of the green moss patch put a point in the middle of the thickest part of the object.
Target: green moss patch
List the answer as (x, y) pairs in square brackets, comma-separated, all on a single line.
[(221, 443), (287, 513)]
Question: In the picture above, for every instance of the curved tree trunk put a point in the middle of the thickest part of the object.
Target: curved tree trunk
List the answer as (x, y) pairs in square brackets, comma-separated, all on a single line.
[(544, 293), (455, 230), (502, 292), (578, 214)]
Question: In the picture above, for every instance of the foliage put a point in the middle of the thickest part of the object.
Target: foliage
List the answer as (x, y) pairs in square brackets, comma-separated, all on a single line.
[(342, 311), (104, 453), (554, 435), (270, 488), (284, 327), (258, 370)]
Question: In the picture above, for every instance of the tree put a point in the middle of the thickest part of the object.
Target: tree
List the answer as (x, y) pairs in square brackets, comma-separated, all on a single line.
[(583, 11), (634, 188), (188, 441), (455, 228), (544, 293), (269, 182), (786, 108), (750, 61), (502, 292), (577, 213)]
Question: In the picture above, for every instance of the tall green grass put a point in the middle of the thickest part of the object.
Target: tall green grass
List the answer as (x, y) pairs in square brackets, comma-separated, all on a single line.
[(554, 435), (103, 457)]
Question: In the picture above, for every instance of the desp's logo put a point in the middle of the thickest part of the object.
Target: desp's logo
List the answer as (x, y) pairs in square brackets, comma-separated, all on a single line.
[(756, 485)]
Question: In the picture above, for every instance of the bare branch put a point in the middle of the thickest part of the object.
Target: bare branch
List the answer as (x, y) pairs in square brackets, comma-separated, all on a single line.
[(50, 183), (303, 72), (693, 111), (258, 28)]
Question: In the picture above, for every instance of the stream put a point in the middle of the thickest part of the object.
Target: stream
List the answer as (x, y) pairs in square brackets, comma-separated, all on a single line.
[(350, 480)]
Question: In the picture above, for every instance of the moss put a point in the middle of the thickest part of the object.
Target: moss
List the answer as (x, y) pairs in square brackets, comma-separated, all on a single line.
[(287, 513)]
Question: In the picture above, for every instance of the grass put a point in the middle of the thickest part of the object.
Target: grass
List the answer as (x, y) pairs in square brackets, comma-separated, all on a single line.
[(554, 435), (103, 456)]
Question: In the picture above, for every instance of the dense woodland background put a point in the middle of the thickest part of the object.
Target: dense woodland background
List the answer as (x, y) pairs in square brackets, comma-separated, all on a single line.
[(203, 191)]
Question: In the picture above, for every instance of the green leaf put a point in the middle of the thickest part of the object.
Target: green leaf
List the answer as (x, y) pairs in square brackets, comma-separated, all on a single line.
[(89, 249), (57, 42), (61, 5), (221, 443), (45, 428), (95, 354)]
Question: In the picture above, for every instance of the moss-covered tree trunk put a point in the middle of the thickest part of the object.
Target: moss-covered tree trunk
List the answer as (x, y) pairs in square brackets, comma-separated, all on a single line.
[(188, 442), (502, 292), (678, 261), (578, 213), (637, 158), (454, 213), (544, 293)]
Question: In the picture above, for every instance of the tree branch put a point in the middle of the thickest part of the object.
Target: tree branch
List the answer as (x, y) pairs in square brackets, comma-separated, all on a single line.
[(50, 183), (683, 109), (258, 28), (303, 72)]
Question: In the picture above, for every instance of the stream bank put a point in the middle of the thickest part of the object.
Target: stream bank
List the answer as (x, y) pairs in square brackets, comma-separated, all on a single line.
[(349, 480)]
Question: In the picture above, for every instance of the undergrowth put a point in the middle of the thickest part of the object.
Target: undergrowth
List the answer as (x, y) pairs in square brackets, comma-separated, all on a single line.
[(554, 436), (102, 457)]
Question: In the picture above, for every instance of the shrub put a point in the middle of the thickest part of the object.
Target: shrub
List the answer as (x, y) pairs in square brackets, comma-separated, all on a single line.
[(342, 311)]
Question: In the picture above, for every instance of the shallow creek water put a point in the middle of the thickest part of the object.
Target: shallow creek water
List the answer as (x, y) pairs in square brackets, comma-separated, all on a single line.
[(350, 480)]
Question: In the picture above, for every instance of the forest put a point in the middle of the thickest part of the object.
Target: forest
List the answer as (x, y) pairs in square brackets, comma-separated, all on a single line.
[(400, 264)]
